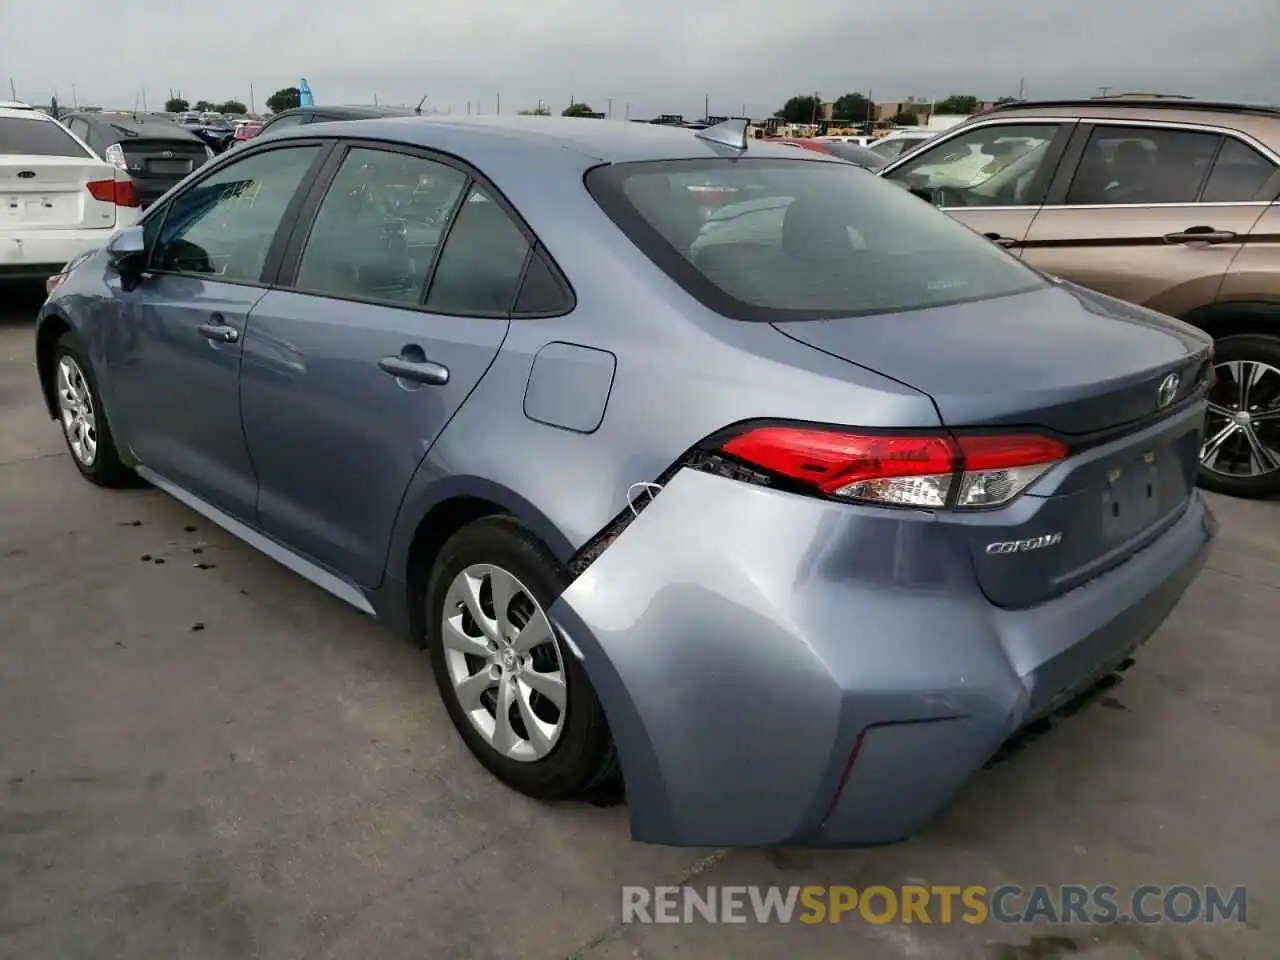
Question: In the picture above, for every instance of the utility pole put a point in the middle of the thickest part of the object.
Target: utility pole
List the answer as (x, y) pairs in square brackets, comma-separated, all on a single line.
[(468, 108), (1022, 86), (609, 110), (1104, 90), (706, 107), (497, 102), (375, 99), (13, 94), (144, 99), (75, 103), (252, 106), (628, 111), (817, 102)]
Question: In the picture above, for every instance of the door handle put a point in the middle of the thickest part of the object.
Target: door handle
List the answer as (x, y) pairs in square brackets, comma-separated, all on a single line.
[(419, 371), (219, 332), (1200, 235), (1001, 240)]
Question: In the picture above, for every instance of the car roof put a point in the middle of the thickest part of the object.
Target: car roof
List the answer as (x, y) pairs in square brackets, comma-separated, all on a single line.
[(587, 140), (23, 113), (154, 128), (349, 112), (1261, 121)]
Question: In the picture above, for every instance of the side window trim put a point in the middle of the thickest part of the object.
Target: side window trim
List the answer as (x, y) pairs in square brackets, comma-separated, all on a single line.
[(271, 265), (292, 253)]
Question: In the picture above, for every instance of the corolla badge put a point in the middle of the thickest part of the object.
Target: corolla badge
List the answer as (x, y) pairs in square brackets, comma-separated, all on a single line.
[(1167, 390), (1025, 546)]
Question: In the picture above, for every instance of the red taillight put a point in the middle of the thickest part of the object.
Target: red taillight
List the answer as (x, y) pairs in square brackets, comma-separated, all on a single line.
[(935, 471), (119, 192)]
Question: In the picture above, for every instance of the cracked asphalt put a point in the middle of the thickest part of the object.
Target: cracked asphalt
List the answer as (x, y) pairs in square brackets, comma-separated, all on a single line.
[(203, 756)]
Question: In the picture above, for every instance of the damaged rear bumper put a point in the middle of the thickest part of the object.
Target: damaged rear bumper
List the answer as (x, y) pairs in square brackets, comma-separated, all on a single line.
[(780, 669)]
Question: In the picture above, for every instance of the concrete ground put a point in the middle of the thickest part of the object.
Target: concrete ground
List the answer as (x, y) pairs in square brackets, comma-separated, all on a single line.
[(203, 756)]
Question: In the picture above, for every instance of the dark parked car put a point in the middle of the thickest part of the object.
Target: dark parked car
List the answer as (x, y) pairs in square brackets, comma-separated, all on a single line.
[(300, 115), (156, 154)]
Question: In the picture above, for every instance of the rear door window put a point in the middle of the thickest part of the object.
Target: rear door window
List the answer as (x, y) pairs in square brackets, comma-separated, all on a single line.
[(379, 227), (21, 137), (800, 239), (1142, 165), (1238, 174)]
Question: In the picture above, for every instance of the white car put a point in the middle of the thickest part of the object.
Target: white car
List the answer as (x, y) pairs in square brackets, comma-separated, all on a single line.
[(57, 198), (899, 144)]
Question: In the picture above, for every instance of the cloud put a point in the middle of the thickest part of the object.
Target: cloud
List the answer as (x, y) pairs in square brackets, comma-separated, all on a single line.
[(655, 55)]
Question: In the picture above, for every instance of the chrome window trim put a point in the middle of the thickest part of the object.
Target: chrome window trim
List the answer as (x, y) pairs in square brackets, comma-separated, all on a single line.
[(1242, 137)]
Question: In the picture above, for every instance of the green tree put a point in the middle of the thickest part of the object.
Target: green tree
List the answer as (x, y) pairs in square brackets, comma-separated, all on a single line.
[(905, 119), (957, 103), (851, 107), (203, 106), (538, 111), (799, 110), (232, 108), (285, 99), (577, 110), (176, 105)]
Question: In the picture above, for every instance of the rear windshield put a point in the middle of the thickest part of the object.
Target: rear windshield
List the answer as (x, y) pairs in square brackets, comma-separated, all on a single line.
[(774, 239), (36, 138)]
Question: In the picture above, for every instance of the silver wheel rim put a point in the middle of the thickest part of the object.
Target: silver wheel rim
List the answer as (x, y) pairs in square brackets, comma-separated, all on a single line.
[(1242, 428), (503, 662), (75, 405)]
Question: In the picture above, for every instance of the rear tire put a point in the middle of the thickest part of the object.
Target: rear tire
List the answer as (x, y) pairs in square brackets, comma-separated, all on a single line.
[(83, 418), (568, 751), (1231, 468)]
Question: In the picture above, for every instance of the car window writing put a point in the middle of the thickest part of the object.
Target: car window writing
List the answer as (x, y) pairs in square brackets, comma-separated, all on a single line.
[(482, 261), (1238, 174), (378, 227), (1142, 165), (224, 224), (998, 165)]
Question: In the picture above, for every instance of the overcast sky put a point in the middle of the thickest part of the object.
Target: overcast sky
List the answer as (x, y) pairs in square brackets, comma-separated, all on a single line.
[(656, 55)]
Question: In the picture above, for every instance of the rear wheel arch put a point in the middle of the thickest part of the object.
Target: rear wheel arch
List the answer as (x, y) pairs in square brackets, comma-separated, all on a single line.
[(450, 511), (1236, 318)]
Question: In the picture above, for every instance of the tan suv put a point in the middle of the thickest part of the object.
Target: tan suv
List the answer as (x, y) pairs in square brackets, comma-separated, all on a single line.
[(1162, 201)]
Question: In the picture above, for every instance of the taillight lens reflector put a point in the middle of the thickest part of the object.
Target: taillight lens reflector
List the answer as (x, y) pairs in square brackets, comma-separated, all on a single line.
[(932, 471), (119, 192)]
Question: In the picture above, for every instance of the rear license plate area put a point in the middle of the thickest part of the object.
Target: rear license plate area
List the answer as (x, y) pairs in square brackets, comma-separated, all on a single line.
[(32, 208), (1133, 497), (169, 168)]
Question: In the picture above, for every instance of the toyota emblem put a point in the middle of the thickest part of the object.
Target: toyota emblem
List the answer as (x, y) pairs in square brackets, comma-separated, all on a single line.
[(1168, 390), (167, 154)]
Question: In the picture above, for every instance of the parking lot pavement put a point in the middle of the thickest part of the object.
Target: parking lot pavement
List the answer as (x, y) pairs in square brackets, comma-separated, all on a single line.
[(203, 756)]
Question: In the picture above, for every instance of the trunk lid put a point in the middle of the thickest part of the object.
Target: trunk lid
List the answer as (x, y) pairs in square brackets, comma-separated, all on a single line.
[(168, 160), (50, 193), (1071, 363)]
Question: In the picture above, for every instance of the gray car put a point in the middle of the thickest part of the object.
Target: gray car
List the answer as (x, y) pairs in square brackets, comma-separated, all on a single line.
[(720, 470)]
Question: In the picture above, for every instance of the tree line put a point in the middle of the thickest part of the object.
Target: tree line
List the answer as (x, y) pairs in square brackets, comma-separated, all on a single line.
[(855, 108), (284, 99)]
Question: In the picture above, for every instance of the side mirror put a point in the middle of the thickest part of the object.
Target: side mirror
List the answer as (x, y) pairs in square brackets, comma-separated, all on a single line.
[(127, 251)]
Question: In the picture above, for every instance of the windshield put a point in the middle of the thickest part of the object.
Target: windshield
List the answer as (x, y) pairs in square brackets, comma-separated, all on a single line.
[(36, 138), (778, 239)]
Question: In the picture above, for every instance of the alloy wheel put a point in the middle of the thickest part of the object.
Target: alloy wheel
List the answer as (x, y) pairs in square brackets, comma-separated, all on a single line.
[(1242, 429), (77, 411), (503, 661)]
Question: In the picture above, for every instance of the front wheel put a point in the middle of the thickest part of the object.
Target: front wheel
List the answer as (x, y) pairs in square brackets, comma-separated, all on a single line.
[(519, 698), (1241, 452), (82, 418)]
